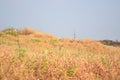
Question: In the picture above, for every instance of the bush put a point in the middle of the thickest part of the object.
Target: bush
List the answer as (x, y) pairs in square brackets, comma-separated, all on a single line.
[(27, 31), (10, 31)]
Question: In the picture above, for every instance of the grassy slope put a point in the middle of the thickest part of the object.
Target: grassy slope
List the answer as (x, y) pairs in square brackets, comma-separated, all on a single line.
[(42, 57)]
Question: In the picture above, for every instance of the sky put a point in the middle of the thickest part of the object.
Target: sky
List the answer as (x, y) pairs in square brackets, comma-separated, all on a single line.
[(95, 19)]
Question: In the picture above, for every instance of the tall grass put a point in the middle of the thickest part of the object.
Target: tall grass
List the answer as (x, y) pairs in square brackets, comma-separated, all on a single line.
[(57, 67), (52, 59)]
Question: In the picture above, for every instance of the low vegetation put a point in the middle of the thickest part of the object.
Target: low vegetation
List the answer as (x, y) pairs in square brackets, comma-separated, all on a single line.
[(111, 43), (46, 57)]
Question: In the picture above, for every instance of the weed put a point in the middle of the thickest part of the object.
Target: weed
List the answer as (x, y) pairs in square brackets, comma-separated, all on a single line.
[(71, 71), (53, 41), (2, 41), (36, 39), (43, 65), (105, 60), (22, 52), (1, 34)]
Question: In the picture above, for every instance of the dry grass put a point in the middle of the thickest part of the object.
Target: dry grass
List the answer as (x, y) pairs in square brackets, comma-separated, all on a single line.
[(45, 58), (32, 32)]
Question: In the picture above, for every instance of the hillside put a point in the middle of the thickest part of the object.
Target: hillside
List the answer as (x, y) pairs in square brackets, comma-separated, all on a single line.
[(33, 55)]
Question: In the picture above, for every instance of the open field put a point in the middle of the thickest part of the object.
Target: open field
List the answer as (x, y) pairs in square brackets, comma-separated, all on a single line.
[(33, 55)]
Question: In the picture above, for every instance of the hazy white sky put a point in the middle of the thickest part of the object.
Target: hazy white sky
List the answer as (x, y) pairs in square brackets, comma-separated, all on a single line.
[(96, 19)]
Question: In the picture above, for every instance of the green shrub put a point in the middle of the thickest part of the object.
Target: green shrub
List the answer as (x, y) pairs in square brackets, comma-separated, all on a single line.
[(22, 52), (10, 31)]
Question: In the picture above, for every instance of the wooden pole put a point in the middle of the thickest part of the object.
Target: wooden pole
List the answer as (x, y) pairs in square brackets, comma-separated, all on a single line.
[(74, 36)]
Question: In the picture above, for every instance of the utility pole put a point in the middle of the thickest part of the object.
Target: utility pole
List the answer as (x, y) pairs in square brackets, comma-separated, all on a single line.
[(74, 36)]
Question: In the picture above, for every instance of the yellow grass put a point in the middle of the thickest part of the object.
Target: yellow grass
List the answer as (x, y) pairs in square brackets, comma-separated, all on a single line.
[(50, 58)]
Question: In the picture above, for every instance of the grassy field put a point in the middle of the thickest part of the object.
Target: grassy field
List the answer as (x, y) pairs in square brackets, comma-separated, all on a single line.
[(32, 55)]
